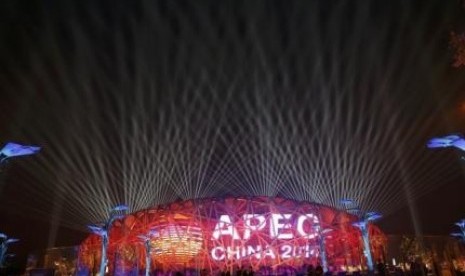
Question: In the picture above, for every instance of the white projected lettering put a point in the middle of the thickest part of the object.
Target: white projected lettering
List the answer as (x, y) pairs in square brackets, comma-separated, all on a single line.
[(253, 223), (280, 223), (286, 251), (225, 227), (300, 225), (235, 237)]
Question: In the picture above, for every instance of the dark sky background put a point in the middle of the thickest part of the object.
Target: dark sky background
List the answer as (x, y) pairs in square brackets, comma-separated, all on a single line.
[(85, 70)]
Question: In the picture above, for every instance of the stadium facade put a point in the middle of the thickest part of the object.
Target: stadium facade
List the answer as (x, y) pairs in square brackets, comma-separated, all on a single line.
[(219, 234)]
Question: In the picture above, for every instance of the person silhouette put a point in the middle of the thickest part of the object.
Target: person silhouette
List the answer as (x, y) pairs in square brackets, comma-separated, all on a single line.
[(310, 270), (381, 267), (319, 270)]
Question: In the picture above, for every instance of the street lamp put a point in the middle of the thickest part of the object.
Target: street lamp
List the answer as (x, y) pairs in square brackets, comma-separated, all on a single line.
[(363, 226), (349, 207), (4, 243), (103, 230), (148, 249), (461, 234), (15, 150), (321, 242)]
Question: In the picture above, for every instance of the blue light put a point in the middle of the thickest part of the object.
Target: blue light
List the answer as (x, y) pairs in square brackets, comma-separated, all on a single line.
[(360, 224), (372, 216), (461, 234), (97, 230), (4, 243), (447, 141), (363, 226), (461, 224), (8, 241), (13, 149), (103, 231), (121, 207), (347, 201), (115, 217), (354, 210)]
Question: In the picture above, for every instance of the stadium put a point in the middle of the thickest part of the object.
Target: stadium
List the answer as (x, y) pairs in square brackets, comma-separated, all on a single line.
[(222, 234)]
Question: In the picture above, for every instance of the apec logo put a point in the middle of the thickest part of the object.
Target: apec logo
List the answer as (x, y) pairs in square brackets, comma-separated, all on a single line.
[(276, 226)]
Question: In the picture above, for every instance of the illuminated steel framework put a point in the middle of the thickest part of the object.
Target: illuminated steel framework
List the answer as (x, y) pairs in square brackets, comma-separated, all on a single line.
[(221, 233)]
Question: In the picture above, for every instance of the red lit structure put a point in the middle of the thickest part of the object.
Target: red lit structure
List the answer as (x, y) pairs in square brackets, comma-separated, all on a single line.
[(222, 233)]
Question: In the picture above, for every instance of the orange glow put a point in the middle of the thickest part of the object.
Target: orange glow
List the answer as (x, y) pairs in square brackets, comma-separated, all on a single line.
[(177, 244), (462, 107)]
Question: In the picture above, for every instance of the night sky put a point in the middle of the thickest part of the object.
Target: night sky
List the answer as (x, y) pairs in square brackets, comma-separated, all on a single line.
[(144, 102)]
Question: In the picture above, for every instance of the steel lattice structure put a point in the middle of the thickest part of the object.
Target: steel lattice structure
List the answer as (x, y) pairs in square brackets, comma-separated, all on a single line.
[(222, 233)]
